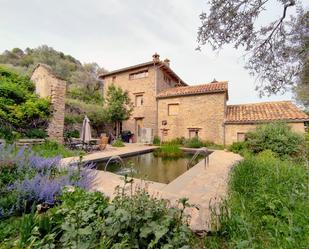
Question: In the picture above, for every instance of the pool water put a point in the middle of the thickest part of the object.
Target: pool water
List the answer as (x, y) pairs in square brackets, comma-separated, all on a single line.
[(149, 167)]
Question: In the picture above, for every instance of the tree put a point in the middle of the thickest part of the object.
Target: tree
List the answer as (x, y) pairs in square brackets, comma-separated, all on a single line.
[(275, 52), (302, 88), (20, 108), (118, 106)]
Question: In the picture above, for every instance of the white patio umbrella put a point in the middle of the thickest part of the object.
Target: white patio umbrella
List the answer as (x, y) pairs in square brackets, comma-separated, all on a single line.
[(86, 130)]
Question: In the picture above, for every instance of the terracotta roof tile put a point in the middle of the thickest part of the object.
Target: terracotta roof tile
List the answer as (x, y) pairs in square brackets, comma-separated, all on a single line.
[(197, 89), (263, 112)]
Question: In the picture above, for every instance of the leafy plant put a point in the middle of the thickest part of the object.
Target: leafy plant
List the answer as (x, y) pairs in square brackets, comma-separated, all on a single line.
[(238, 147), (52, 149), (36, 133), (141, 221), (278, 138), (169, 151), (156, 140), (118, 143), (89, 96), (26, 179), (96, 113), (267, 207), (193, 143), (71, 134), (20, 108)]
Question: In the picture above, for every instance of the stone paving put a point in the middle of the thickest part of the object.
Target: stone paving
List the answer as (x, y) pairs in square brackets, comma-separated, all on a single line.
[(110, 151), (202, 185)]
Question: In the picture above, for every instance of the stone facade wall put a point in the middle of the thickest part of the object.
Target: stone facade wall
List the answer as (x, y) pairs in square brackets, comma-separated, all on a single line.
[(145, 86), (204, 111), (231, 130), (48, 85)]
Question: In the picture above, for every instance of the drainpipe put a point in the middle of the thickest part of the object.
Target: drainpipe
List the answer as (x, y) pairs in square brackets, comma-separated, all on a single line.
[(157, 104), (224, 134)]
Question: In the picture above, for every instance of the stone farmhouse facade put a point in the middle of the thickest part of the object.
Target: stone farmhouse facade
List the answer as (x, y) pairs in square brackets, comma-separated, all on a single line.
[(172, 108)]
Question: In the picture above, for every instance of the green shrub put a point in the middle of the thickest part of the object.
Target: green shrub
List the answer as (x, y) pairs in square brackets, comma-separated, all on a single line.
[(194, 143), (20, 108), (52, 148), (278, 138), (36, 133), (70, 118), (9, 134), (118, 143), (156, 140), (267, 207), (95, 112), (86, 95), (212, 145), (141, 221), (71, 134), (238, 147), (87, 220), (169, 151), (177, 141)]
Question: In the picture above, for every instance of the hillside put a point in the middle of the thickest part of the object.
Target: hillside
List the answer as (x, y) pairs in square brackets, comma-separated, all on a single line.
[(79, 76)]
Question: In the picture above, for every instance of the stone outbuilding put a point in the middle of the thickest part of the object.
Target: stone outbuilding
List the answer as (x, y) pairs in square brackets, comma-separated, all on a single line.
[(48, 85)]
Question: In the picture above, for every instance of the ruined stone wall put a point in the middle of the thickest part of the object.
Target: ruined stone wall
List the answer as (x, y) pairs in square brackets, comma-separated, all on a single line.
[(231, 130), (204, 111), (48, 85)]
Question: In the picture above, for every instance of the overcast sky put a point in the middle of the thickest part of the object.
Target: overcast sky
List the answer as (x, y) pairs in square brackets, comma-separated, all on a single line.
[(119, 33)]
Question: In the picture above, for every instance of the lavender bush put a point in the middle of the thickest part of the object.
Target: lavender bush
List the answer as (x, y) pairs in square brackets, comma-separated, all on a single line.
[(26, 178)]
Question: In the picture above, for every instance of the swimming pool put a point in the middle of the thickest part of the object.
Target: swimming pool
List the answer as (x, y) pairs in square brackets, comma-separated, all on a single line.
[(149, 167)]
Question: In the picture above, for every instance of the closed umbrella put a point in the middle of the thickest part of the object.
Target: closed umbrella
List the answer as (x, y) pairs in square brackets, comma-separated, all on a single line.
[(86, 131)]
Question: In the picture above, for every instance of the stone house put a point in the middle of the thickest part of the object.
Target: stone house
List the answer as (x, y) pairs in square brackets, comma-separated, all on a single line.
[(172, 108)]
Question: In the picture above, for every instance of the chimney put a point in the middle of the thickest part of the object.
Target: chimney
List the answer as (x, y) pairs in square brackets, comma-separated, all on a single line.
[(167, 62), (214, 81), (156, 58)]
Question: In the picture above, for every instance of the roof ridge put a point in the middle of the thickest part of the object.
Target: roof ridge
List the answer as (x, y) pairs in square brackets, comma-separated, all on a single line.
[(210, 83), (218, 82), (265, 102)]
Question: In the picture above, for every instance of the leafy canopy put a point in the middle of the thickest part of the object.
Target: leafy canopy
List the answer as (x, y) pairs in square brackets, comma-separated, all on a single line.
[(20, 108), (275, 51), (118, 104)]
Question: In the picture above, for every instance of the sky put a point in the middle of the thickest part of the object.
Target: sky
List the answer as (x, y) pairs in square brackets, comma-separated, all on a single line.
[(120, 33)]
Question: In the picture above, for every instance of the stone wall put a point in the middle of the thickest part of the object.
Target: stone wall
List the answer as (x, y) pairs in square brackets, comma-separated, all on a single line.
[(231, 130), (51, 86), (145, 86), (204, 112)]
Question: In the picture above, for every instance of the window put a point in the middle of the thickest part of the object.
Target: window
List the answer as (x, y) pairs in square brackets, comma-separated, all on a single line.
[(138, 75), (173, 109), (241, 136), (113, 79), (139, 100), (193, 132)]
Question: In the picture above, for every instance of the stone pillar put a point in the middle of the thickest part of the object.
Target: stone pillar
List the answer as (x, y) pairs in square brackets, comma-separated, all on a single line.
[(49, 85)]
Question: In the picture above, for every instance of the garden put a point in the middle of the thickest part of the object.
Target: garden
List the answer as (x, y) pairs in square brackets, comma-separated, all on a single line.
[(268, 204), (46, 205)]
